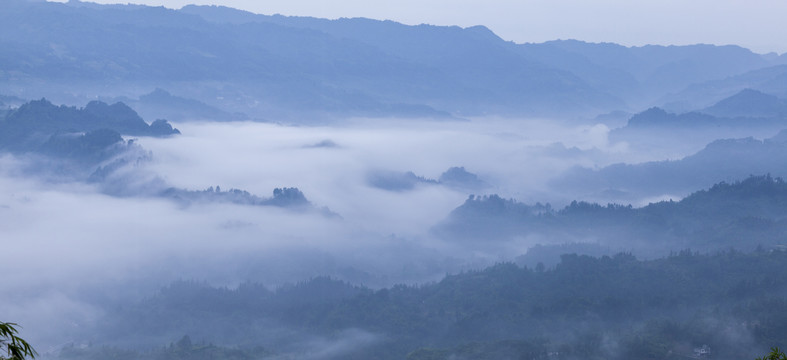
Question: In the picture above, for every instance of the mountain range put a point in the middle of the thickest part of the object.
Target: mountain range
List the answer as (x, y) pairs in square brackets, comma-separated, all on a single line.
[(307, 68)]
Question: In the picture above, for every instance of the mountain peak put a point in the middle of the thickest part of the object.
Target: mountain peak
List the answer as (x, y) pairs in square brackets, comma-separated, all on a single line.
[(749, 102)]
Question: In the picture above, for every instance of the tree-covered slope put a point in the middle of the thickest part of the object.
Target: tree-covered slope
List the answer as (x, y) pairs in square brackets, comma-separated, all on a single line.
[(658, 309), (742, 215), (23, 128)]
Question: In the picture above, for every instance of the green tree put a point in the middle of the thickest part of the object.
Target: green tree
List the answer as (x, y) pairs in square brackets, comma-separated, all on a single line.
[(775, 354), (15, 347)]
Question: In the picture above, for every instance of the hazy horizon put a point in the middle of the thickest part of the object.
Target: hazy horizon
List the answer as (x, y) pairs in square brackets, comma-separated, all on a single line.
[(755, 26)]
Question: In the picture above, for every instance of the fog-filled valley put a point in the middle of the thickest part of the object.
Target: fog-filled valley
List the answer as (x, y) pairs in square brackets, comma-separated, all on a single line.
[(209, 183)]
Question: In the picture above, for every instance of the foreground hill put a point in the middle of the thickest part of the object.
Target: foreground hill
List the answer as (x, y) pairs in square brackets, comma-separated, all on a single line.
[(591, 308)]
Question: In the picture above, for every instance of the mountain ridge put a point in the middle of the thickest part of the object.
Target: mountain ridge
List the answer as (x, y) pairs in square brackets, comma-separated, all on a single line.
[(307, 68)]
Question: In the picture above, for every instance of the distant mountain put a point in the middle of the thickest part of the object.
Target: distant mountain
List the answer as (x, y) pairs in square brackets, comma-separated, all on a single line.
[(749, 103), (7, 102), (307, 69), (473, 56), (85, 144), (459, 178), (659, 118), (64, 143), (455, 177), (91, 147), (396, 181), (41, 117), (118, 178), (721, 160), (160, 103), (79, 134), (289, 198), (641, 75), (739, 215), (749, 108), (769, 80), (278, 69), (634, 74), (748, 113)]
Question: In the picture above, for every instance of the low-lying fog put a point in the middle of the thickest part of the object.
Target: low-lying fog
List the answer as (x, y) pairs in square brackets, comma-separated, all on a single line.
[(69, 239), (331, 165)]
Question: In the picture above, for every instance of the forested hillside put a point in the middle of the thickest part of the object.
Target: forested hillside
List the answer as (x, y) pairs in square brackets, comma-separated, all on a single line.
[(742, 215), (615, 307)]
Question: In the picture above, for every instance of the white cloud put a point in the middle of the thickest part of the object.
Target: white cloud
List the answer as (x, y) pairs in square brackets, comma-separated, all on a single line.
[(62, 238)]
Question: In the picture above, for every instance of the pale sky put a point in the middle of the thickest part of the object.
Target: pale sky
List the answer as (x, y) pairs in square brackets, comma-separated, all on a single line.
[(756, 24)]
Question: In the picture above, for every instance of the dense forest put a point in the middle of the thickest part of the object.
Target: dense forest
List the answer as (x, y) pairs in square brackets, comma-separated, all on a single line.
[(21, 128), (743, 215), (586, 307)]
